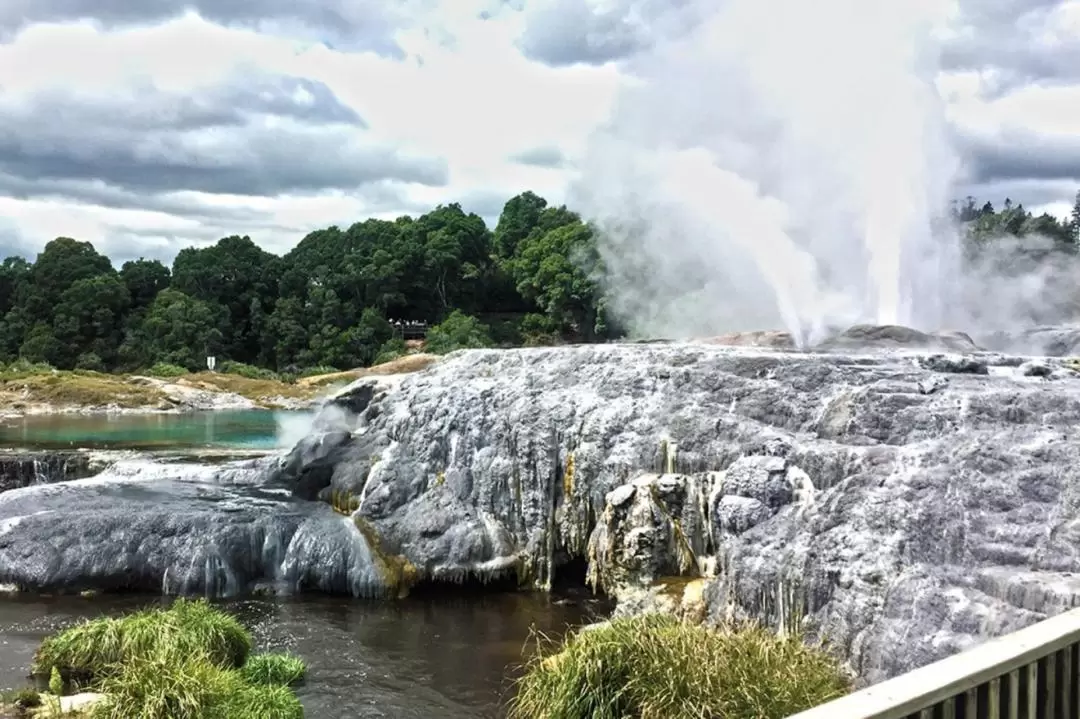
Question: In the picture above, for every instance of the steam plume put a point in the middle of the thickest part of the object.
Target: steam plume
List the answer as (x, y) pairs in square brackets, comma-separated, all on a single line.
[(782, 163)]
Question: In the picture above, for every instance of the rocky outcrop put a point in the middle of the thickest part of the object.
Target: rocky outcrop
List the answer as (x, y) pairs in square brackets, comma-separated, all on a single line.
[(185, 529), (902, 502)]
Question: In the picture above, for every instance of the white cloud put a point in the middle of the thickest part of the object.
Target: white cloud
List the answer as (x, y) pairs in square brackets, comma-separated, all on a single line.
[(200, 126), (463, 96)]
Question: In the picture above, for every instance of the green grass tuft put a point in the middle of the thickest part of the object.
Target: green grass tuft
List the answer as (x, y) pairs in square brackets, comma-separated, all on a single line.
[(263, 702), (93, 650), (190, 661), (273, 669), (658, 667), (172, 686)]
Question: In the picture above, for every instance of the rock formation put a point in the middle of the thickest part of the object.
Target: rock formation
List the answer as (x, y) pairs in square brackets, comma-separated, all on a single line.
[(901, 502), (23, 469)]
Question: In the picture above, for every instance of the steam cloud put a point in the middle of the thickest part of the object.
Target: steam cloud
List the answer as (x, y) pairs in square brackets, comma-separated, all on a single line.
[(784, 163)]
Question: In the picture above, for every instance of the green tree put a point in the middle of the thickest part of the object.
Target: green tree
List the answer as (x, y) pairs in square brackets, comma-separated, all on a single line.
[(90, 318), (457, 331), (554, 269), (238, 276), (178, 329), (144, 279)]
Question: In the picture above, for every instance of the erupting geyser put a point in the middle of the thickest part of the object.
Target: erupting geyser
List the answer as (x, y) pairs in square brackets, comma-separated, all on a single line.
[(782, 163)]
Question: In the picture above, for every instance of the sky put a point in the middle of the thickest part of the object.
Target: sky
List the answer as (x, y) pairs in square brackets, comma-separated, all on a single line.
[(146, 127)]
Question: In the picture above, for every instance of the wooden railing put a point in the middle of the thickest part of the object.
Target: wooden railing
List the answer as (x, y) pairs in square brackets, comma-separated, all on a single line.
[(1033, 673)]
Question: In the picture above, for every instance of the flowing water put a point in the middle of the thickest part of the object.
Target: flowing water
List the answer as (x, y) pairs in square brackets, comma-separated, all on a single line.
[(238, 429), (451, 658)]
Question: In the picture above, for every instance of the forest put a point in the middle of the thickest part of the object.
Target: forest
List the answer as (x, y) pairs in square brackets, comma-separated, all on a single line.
[(334, 300)]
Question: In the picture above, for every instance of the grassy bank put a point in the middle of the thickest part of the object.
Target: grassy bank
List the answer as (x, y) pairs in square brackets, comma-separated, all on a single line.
[(190, 661), (658, 667), (27, 387)]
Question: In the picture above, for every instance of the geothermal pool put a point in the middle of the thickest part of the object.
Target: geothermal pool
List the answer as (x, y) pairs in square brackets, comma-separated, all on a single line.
[(236, 429)]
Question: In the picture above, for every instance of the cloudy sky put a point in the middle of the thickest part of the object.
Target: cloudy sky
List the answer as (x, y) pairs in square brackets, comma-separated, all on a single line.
[(149, 125)]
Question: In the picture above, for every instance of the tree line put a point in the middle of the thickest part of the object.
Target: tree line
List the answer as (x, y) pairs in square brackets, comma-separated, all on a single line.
[(333, 301)]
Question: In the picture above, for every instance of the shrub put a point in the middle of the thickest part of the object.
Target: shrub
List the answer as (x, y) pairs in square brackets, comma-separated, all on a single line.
[(457, 331), (93, 650), (391, 349), (273, 669), (658, 667), (247, 371), (90, 361), (25, 368), (316, 371), (538, 330), (164, 369)]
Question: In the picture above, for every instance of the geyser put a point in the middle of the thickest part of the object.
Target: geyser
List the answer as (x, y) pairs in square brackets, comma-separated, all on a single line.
[(783, 162)]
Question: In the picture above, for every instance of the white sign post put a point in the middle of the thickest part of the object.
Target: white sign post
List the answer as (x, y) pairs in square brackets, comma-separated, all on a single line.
[(211, 362)]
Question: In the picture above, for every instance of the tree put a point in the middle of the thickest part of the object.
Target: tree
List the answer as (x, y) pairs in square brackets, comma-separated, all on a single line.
[(1074, 225), (457, 331), (178, 329), (144, 279), (89, 319), (553, 269), (238, 276)]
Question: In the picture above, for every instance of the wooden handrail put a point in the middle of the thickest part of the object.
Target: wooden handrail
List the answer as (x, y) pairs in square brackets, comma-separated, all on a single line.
[(923, 688)]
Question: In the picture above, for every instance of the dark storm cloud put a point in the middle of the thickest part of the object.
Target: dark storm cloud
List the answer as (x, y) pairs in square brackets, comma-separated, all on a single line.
[(95, 192), (354, 24), (545, 156), (1021, 154), (272, 136), (997, 34), (1030, 193), (1006, 38)]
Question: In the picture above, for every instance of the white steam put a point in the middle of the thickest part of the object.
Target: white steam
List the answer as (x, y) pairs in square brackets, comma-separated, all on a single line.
[(783, 163)]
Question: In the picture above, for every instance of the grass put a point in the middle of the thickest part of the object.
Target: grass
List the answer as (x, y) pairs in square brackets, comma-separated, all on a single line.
[(84, 388), (253, 388), (25, 383), (273, 669), (93, 650), (190, 661), (78, 387), (170, 685), (658, 667), (401, 365)]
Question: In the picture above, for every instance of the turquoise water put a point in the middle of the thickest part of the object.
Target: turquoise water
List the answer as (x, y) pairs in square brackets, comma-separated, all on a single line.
[(237, 429)]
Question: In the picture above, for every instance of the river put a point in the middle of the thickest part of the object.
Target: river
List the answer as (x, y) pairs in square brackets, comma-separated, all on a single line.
[(445, 656)]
